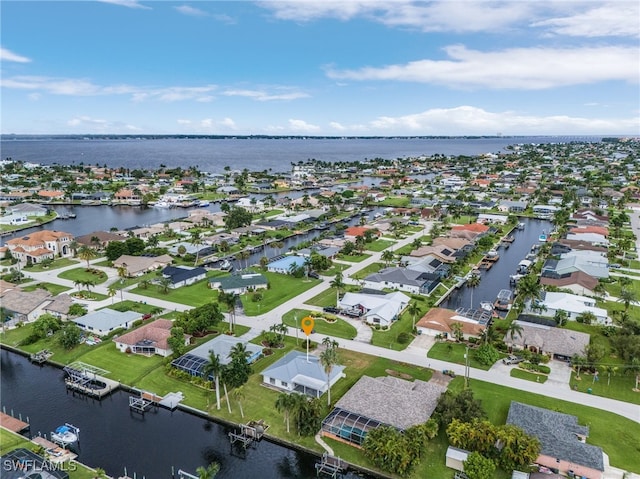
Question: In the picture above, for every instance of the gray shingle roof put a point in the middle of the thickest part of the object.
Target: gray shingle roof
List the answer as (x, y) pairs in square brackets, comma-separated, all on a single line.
[(554, 340), (557, 433), (294, 367), (393, 401)]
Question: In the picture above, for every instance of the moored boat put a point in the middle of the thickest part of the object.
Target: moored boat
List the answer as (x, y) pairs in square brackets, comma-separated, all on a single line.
[(66, 434), (503, 300)]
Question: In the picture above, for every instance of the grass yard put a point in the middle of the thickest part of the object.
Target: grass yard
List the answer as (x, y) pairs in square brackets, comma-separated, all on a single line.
[(136, 306), (193, 295), (367, 270), (57, 264), (389, 338), (339, 329), (379, 245), (81, 274), (619, 386), (125, 368), (335, 268), (353, 258), (282, 288), (454, 353), (10, 441), (120, 283), (54, 289), (529, 376), (324, 299)]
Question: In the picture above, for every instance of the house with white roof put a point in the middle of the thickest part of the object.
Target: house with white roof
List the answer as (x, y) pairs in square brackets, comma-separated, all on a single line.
[(103, 321), (296, 372), (380, 310), (572, 304)]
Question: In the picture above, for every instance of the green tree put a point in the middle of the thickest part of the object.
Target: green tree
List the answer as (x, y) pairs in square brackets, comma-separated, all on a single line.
[(479, 467), (462, 406), (176, 341), (473, 282), (387, 256), (237, 217), (285, 403), (208, 472), (627, 297), (86, 253), (328, 359), (513, 330), (45, 325), (560, 317), (214, 368), (164, 285), (238, 395), (196, 241), (338, 283), (69, 335), (413, 310), (77, 309)]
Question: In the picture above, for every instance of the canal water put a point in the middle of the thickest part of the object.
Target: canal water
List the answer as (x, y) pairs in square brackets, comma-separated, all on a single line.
[(497, 278), (114, 438)]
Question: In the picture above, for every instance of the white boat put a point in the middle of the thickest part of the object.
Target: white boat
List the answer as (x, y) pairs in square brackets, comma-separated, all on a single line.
[(65, 434), (520, 226), (486, 305), (503, 300), (162, 204), (203, 203)]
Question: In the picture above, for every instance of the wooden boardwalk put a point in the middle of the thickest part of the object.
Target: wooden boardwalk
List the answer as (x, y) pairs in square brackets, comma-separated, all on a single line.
[(55, 453), (12, 424)]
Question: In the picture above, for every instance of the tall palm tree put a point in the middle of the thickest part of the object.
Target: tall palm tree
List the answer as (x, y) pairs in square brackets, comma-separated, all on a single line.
[(473, 282), (238, 395), (214, 368), (514, 329), (196, 240), (338, 283), (413, 310), (86, 253), (528, 288), (387, 256), (627, 297), (328, 358), (285, 403), (111, 292), (208, 472), (239, 352)]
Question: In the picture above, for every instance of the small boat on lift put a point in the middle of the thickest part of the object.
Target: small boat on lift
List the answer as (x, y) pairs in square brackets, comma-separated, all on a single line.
[(520, 226), (66, 434), (503, 300)]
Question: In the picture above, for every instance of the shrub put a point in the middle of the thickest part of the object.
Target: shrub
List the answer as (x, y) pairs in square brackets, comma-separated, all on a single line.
[(487, 354), (404, 337)]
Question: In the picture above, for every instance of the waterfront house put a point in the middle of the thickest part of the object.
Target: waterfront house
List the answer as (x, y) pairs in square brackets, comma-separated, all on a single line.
[(572, 304), (562, 440), (577, 282), (382, 401), (195, 360), (27, 209), (40, 245), (21, 463), (430, 265), (402, 279), (99, 239), (296, 373), (139, 265), (183, 275), (441, 322), (105, 320), (544, 211), (443, 253), (377, 310), (286, 264), (558, 343), (351, 233), (59, 306), (127, 197), (239, 284), (508, 206), (571, 263), (148, 339), (486, 218), (24, 306), (51, 195)]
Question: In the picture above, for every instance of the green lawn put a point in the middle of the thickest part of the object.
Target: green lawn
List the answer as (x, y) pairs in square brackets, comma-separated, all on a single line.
[(389, 338), (367, 270), (136, 306), (529, 376), (194, 295), (379, 245), (282, 288), (124, 368), (335, 268), (124, 282), (54, 289), (324, 299), (454, 353), (353, 258), (10, 441), (81, 274), (57, 264), (619, 386), (340, 328)]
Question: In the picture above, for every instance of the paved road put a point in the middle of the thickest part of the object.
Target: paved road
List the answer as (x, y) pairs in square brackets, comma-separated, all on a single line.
[(412, 355)]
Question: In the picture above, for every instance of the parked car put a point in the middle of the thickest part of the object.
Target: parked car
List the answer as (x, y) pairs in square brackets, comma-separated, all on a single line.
[(314, 275), (330, 309), (511, 359)]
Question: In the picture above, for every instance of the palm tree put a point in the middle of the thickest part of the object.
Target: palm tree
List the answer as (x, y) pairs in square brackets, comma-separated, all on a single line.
[(196, 240), (111, 292), (473, 282), (85, 253), (413, 310), (239, 352), (338, 283), (238, 395), (328, 358), (609, 369), (528, 288), (214, 368), (208, 472), (164, 284), (144, 284), (285, 403), (560, 317), (627, 297), (387, 256)]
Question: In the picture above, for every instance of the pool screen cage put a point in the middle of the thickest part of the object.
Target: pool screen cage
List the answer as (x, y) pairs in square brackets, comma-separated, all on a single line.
[(191, 364), (348, 426)]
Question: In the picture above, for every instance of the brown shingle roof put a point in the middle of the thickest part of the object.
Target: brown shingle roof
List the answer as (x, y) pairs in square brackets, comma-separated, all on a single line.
[(157, 331)]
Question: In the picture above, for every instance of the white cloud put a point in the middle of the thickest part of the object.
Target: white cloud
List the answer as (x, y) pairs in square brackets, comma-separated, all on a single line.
[(183, 122), (261, 95), (127, 3), (471, 120), (516, 68), (619, 19), (86, 121), (228, 123), (302, 126), (191, 11), (8, 56)]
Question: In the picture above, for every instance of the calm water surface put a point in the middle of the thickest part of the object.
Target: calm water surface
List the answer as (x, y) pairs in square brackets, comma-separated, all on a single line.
[(114, 438)]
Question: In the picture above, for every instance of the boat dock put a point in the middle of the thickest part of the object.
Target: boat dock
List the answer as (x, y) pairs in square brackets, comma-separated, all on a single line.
[(54, 452), (13, 424), (88, 380), (146, 400), (249, 433), (330, 465), (41, 356)]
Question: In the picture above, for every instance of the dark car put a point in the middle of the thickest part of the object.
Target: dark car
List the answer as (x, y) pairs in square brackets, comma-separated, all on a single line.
[(329, 309), (314, 275)]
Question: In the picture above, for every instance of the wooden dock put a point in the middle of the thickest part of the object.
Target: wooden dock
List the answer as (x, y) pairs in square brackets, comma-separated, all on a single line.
[(249, 433), (41, 356), (54, 452), (13, 424)]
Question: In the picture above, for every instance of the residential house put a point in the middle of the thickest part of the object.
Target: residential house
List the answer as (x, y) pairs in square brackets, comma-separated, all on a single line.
[(27, 209), (561, 268), (577, 282), (99, 239), (544, 211), (382, 401), (148, 339), (443, 253), (351, 233), (239, 283), (103, 321), (402, 279), (562, 440), (572, 304), (194, 361), (51, 195), (24, 306), (508, 206), (40, 245), (487, 218), (59, 306), (139, 265), (128, 197), (295, 372), (377, 310), (442, 322), (286, 264), (558, 343), (183, 275), (430, 265)]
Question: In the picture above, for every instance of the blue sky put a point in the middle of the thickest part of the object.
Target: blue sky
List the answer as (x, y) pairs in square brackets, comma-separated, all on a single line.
[(342, 68)]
